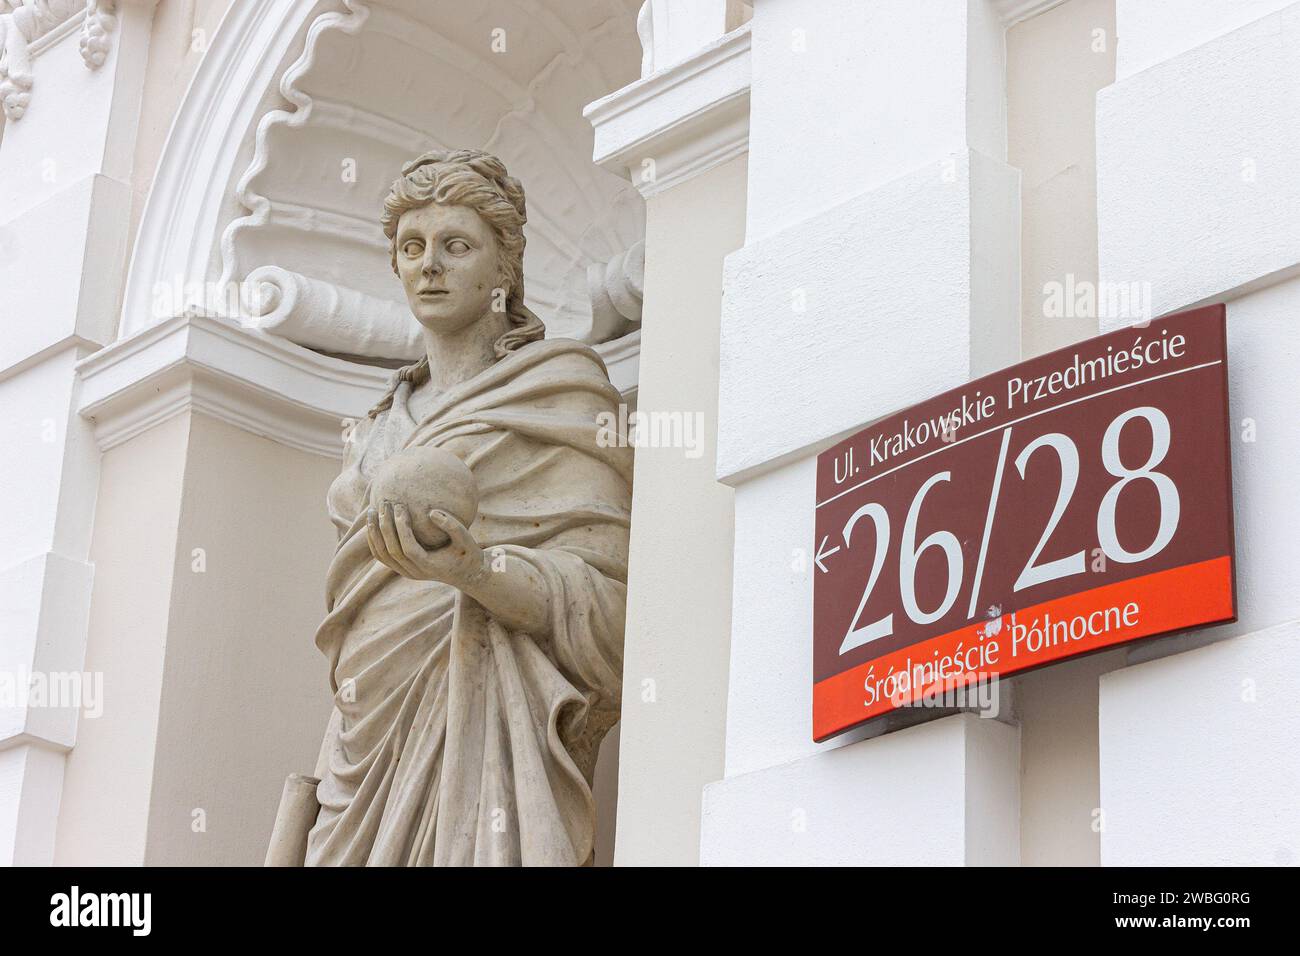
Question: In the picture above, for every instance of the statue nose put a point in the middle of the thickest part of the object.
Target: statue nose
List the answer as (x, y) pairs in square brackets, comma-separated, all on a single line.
[(432, 265)]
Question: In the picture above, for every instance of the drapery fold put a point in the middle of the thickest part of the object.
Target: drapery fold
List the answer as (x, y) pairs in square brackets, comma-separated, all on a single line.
[(456, 740)]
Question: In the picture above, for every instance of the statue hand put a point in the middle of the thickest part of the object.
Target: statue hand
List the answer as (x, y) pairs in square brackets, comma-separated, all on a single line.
[(460, 562)]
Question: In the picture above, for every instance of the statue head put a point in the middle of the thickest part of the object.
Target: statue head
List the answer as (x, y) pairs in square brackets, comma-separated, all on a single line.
[(455, 226)]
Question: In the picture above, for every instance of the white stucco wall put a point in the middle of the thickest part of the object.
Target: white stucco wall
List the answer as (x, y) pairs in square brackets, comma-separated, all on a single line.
[(104, 806), (1198, 757), (878, 275), (65, 167), (919, 797), (1157, 30), (1197, 166), (679, 595)]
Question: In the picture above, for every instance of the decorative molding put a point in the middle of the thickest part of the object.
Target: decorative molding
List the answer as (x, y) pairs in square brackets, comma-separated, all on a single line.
[(96, 33), (181, 225), (28, 27), (578, 215), (675, 124), (226, 145), (243, 187), (52, 37), (261, 208), (1012, 12), (258, 382)]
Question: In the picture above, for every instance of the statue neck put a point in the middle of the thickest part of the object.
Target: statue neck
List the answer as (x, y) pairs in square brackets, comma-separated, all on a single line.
[(457, 357)]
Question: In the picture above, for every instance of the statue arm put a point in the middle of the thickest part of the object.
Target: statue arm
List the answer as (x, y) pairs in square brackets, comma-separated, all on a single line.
[(512, 591), (508, 587)]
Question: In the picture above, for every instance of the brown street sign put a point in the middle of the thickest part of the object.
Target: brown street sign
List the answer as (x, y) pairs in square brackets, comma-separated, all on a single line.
[(1073, 502)]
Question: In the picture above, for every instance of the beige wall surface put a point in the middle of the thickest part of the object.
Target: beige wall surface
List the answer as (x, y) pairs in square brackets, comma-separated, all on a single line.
[(246, 693), (210, 547), (679, 594), (1053, 75), (104, 811)]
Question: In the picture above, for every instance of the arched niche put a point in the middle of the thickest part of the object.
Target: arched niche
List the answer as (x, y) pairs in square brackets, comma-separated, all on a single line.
[(265, 206), (266, 201)]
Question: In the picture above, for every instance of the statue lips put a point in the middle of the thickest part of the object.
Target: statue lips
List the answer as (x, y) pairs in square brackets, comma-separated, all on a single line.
[(422, 479), (433, 295)]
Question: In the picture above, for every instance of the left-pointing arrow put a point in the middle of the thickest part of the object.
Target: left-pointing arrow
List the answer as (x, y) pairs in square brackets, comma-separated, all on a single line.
[(824, 554)]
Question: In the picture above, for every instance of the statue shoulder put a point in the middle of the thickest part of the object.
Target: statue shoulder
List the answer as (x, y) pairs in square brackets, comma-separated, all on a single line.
[(569, 354)]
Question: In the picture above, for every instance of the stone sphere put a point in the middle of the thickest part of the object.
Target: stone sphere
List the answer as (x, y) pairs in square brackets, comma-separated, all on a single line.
[(424, 478)]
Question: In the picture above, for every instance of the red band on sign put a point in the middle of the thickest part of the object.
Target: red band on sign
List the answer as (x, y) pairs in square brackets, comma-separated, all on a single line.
[(1112, 614)]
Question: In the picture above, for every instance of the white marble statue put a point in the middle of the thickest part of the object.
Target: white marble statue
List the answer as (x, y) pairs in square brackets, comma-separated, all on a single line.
[(477, 597)]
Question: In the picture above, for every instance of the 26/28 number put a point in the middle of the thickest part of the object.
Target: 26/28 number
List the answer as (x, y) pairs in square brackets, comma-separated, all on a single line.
[(1033, 573)]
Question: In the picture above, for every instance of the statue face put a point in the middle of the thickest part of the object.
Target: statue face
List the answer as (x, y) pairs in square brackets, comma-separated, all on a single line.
[(447, 259)]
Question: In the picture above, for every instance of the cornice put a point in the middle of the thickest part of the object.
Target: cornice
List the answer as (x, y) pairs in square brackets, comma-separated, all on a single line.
[(261, 383), (686, 118), (258, 382)]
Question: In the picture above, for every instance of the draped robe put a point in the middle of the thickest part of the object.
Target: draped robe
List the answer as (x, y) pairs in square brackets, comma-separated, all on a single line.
[(455, 740)]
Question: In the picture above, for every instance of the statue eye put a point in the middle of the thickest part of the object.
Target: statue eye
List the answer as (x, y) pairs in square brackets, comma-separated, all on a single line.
[(458, 247), (413, 248)]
